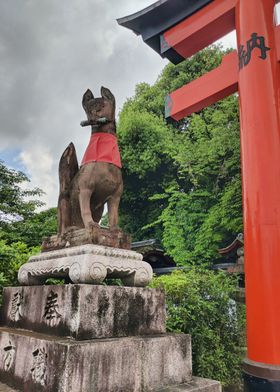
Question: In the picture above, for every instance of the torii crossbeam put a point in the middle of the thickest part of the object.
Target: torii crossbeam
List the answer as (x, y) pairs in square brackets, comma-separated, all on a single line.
[(178, 29)]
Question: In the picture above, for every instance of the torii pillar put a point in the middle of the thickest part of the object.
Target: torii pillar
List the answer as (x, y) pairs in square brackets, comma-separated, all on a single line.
[(254, 72)]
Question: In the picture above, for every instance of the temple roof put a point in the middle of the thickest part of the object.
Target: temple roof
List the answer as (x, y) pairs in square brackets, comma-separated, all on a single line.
[(160, 16)]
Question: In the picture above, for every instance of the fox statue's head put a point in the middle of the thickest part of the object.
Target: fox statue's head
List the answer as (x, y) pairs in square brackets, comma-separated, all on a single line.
[(100, 111)]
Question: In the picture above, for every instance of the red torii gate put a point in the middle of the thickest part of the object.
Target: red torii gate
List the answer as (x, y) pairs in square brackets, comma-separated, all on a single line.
[(254, 72)]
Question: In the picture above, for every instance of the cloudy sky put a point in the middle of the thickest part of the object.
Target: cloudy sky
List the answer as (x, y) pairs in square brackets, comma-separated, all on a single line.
[(51, 52)]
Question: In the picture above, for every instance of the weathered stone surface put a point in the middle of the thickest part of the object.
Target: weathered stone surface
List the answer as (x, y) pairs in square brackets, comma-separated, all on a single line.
[(85, 311), (95, 235), (32, 364), (35, 363), (87, 264), (197, 384), (6, 388)]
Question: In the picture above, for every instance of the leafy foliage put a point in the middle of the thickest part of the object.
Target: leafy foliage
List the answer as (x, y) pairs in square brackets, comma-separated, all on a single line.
[(17, 202), (11, 258), (3, 282), (182, 180), (147, 168), (31, 230), (21, 228), (19, 221), (13, 203), (200, 302)]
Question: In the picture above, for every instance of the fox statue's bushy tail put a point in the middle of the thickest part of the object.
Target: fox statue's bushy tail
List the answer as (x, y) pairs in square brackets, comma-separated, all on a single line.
[(68, 167)]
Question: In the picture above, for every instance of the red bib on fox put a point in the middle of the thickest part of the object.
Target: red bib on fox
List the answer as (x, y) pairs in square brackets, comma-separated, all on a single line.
[(103, 147)]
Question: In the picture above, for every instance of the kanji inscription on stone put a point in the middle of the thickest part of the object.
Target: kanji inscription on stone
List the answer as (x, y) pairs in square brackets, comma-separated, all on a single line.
[(39, 366), (16, 307), (9, 356), (51, 313)]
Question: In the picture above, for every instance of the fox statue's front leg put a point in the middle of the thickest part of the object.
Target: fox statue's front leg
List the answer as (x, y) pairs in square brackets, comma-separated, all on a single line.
[(83, 188), (113, 208), (84, 200)]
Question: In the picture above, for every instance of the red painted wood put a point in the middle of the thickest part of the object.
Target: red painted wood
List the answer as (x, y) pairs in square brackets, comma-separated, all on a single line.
[(202, 28), (277, 40), (259, 91), (207, 89)]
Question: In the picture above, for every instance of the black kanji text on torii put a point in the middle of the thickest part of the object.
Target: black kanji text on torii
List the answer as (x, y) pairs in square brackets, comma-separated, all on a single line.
[(256, 41)]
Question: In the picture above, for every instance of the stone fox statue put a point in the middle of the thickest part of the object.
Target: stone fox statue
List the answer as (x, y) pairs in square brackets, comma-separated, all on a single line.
[(85, 190)]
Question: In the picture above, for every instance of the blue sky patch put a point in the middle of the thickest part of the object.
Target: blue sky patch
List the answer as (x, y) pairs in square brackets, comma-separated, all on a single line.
[(10, 157)]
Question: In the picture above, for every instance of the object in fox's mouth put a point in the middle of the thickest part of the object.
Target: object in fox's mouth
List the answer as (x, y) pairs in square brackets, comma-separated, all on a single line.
[(85, 123), (102, 120)]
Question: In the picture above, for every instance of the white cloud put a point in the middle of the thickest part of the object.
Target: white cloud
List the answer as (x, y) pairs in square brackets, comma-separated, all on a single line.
[(229, 40), (39, 163)]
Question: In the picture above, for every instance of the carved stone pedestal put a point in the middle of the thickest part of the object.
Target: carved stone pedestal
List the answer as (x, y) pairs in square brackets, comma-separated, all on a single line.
[(85, 338), (87, 264)]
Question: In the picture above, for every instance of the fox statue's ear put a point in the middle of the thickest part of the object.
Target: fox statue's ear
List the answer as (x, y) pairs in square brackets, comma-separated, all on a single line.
[(106, 94), (88, 96)]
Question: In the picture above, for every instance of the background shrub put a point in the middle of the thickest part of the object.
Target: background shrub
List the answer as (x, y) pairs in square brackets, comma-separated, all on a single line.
[(201, 302)]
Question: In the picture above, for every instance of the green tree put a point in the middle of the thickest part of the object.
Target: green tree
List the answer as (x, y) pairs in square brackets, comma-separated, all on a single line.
[(19, 221), (16, 202), (182, 180), (201, 303), (33, 229), (147, 168), (21, 228)]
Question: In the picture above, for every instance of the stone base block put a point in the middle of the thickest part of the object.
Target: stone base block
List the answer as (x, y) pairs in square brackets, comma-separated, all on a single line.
[(96, 235), (35, 363), (87, 264), (197, 384), (85, 311)]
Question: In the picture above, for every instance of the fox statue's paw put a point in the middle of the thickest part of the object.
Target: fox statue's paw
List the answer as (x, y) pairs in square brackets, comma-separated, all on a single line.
[(115, 229), (92, 225)]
